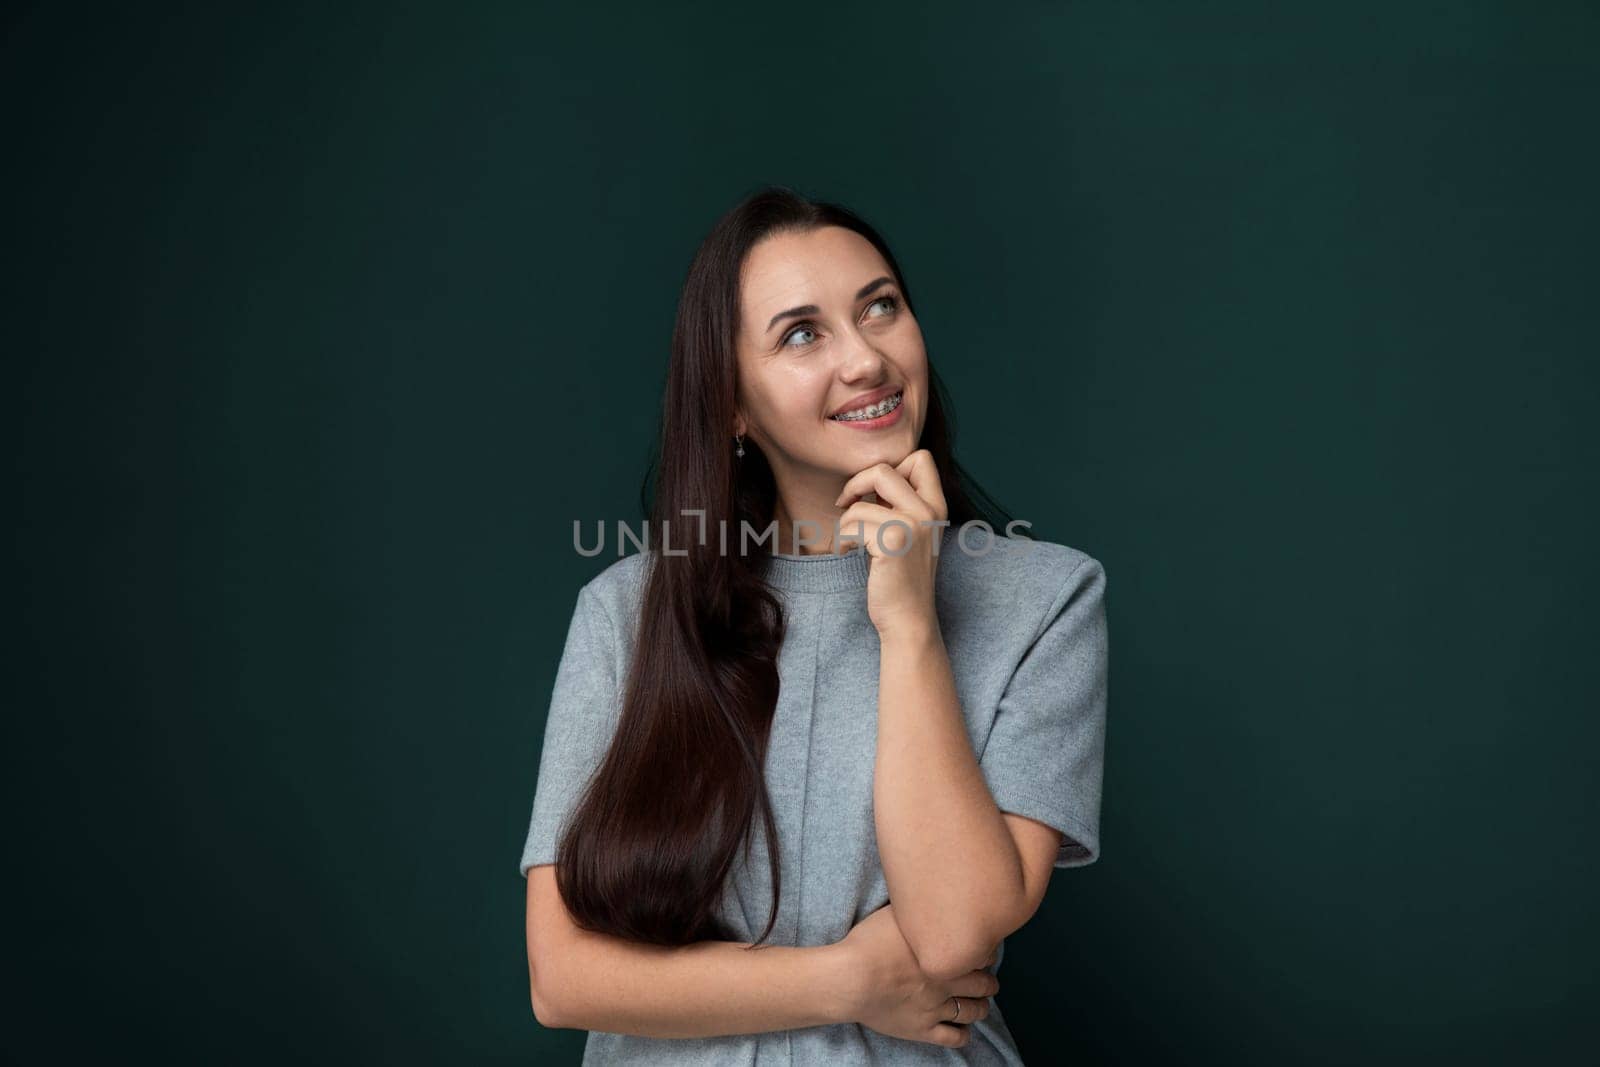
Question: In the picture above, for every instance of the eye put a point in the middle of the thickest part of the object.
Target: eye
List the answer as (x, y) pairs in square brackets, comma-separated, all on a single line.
[(892, 302), (804, 327), (891, 305)]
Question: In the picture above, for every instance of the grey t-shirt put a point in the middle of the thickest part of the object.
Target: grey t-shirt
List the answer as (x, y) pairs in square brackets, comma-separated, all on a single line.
[(1025, 628)]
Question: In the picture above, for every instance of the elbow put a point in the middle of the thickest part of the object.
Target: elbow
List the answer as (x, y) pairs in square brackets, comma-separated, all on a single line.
[(950, 958), (543, 988), (945, 954), (544, 1007), (555, 956)]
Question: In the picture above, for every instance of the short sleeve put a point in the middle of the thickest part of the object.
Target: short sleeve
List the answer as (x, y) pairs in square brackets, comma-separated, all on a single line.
[(584, 709), (1045, 754)]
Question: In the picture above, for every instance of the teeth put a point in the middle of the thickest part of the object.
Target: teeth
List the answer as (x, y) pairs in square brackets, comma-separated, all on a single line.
[(873, 411)]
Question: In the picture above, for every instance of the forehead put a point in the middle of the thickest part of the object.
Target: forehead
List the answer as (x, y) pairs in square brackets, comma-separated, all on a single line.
[(824, 266)]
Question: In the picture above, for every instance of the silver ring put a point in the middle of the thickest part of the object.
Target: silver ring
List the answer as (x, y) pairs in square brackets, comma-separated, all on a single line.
[(958, 1009)]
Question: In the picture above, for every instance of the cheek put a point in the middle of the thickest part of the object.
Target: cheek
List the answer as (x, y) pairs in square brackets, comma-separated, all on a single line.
[(788, 402), (800, 393), (919, 359)]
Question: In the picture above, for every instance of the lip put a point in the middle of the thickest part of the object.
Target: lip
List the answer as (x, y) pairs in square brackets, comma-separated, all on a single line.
[(879, 423), (864, 399)]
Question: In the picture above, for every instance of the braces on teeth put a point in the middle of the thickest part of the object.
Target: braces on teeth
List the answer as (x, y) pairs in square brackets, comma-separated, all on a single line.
[(881, 408)]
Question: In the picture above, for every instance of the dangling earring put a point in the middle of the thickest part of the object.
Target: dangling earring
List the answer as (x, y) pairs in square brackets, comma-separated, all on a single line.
[(739, 439)]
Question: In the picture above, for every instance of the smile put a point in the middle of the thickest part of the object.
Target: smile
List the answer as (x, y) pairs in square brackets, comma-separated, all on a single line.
[(872, 411)]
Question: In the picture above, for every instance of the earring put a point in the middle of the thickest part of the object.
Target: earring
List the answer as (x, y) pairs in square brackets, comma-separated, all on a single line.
[(739, 439)]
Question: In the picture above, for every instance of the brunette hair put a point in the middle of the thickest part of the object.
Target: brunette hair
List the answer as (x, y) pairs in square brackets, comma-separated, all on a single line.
[(660, 825)]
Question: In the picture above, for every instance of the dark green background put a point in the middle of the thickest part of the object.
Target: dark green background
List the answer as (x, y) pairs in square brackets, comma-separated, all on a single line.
[(326, 322)]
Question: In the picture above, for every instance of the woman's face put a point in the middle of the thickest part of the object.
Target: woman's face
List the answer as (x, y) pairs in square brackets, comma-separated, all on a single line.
[(823, 334)]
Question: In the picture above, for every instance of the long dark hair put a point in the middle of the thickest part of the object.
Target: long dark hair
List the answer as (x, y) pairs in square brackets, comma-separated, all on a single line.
[(661, 824)]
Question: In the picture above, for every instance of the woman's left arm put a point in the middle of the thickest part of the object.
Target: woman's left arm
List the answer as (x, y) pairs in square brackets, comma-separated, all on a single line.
[(955, 873), (961, 874)]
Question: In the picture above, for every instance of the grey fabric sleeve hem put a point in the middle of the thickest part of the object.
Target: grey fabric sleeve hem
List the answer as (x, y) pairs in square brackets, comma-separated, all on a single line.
[(1081, 844)]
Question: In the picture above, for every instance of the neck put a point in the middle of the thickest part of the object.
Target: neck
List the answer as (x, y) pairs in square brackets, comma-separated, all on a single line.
[(794, 509)]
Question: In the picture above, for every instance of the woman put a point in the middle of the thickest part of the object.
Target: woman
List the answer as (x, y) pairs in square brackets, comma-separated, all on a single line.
[(791, 801)]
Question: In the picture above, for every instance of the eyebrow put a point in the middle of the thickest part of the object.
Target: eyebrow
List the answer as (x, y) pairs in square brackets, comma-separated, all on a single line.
[(812, 309)]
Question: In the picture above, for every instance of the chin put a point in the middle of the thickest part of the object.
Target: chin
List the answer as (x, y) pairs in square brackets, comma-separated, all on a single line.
[(890, 452)]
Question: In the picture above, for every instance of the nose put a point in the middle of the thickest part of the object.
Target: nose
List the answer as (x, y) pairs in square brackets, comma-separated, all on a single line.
[(860, 360)]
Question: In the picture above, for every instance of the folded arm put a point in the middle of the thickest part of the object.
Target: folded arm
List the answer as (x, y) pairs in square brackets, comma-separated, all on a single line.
[(588, 981)]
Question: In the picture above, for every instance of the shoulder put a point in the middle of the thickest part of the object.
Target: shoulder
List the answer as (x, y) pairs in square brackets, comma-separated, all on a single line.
[(613, 596), (1013, 577), (996, 563)]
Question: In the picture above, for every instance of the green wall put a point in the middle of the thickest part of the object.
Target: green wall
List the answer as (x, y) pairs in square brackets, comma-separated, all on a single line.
[(326, 321)]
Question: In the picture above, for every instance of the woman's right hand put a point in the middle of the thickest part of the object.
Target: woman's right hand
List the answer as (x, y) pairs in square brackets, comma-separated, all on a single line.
[(892, 996)]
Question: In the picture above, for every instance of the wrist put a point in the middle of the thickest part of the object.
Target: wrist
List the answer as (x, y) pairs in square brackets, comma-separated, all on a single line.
[(839, 982), (915, 633)]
